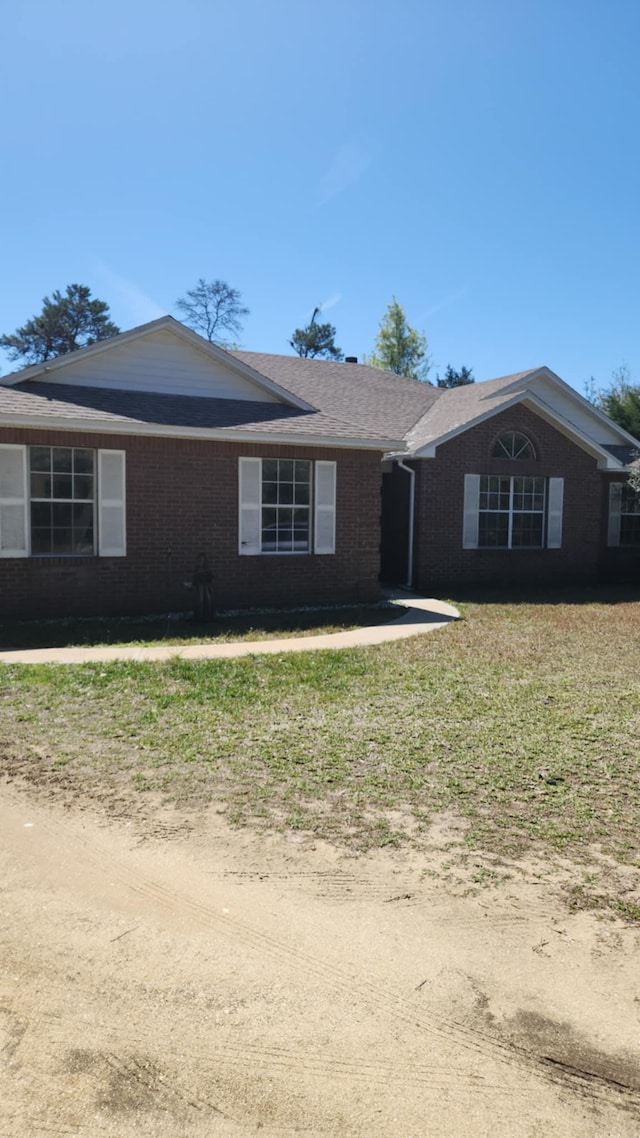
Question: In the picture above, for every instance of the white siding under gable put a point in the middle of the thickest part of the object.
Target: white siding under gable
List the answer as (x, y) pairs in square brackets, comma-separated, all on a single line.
[(162, 363), (574, 411)]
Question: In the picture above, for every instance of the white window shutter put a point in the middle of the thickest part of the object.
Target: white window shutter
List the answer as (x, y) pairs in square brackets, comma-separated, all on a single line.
[(325, 508), (112, 537), (615, 508), (554, 513), (470, 514), (13, 501), (250, 505)]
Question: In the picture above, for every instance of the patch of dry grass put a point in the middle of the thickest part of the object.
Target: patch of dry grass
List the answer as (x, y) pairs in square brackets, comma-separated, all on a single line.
[(523, 719)]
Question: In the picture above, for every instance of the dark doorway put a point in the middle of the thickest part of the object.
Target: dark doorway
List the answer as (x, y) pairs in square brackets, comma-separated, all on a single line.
[(394, 566)]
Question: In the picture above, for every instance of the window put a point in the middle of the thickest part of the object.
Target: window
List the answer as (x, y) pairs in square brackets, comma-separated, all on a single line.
[(512, 512), (513, 445), (286, 505), (624, 515), (61, 501), (62, 485)]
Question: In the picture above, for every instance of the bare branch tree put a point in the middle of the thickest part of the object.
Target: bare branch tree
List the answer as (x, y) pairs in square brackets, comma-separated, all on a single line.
[(213, 309)]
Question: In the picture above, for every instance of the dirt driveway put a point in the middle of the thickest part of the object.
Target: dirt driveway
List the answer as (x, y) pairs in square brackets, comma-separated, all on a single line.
[(155, 981)]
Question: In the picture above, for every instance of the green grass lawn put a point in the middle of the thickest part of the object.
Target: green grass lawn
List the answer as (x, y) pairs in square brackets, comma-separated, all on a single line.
[(522, 719)]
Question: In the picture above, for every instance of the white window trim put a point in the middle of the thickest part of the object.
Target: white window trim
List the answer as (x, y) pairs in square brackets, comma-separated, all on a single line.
[(118, 502), (250, 511), (616, 514), (324, 509), (98, 503), (551, 512), (22, 500)]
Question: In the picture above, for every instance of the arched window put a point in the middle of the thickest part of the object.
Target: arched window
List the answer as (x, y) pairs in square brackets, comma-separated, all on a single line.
[(513, 445)]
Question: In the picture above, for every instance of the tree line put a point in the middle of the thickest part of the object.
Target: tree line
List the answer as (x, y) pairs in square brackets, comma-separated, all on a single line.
[(74, 319)]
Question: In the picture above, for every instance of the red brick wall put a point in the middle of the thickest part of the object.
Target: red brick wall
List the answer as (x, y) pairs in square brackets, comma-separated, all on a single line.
[(442, 563), (182, 499)]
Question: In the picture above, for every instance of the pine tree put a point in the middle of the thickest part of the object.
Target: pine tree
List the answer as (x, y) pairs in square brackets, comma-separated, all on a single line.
[(399, 347), (316, 340), (67, 322)]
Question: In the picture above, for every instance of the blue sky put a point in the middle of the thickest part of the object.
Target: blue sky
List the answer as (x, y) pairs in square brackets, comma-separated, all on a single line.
[(478, 159)]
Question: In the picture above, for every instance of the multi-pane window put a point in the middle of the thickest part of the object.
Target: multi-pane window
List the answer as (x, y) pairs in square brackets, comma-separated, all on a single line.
[(629, 515), (62, 498), (286, 505), (511, 512), (513, 445)]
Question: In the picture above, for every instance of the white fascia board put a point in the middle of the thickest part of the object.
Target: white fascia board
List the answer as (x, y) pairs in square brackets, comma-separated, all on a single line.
[(606, 461), (167, 323), (544, 372), (625, 437), (93, 426)]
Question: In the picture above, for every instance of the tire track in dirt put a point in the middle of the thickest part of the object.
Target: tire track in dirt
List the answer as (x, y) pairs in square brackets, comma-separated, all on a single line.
[(393, 1006), (340, 885), (272, 1060)]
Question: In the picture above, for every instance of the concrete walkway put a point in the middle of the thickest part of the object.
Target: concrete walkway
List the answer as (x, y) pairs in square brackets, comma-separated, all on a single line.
[(421, 615)]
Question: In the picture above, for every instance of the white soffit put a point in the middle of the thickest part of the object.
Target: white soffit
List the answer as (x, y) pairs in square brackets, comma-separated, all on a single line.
[(575, 409)]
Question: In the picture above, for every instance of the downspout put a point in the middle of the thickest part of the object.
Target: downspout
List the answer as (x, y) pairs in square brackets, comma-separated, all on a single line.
[(412, 502)]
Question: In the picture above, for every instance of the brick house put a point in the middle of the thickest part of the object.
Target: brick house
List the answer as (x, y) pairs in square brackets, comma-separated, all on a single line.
[(122, 463), (514, 481)]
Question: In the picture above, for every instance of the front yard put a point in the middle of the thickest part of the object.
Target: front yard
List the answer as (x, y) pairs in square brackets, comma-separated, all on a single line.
[(521, 721)]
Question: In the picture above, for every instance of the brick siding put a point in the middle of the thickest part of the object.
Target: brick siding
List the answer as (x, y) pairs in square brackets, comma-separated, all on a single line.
[(182, 500), (441, 562)]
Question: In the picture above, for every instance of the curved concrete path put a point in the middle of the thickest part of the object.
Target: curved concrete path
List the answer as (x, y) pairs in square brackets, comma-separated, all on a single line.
[(421, 615)]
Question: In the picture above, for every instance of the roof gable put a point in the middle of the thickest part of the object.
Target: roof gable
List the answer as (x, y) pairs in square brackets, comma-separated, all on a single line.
[(464, 407), (557, 395), (164, 358)]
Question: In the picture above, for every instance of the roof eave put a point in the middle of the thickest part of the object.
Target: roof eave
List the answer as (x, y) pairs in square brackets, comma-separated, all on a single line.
[(218, 434), (606, 461), (595, 411)]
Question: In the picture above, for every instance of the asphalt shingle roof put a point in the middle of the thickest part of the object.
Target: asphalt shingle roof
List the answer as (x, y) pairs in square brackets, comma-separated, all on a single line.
[(461, 405), (378, 400), (111, 406), (352, 402), (623, 453)]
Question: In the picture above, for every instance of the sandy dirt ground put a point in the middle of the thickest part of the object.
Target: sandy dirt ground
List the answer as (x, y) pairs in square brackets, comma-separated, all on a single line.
[(189, 982)]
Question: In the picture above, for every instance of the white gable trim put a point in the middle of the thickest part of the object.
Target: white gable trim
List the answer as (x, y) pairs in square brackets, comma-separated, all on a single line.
[(168, 324), (606, 460), (546, 373)]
